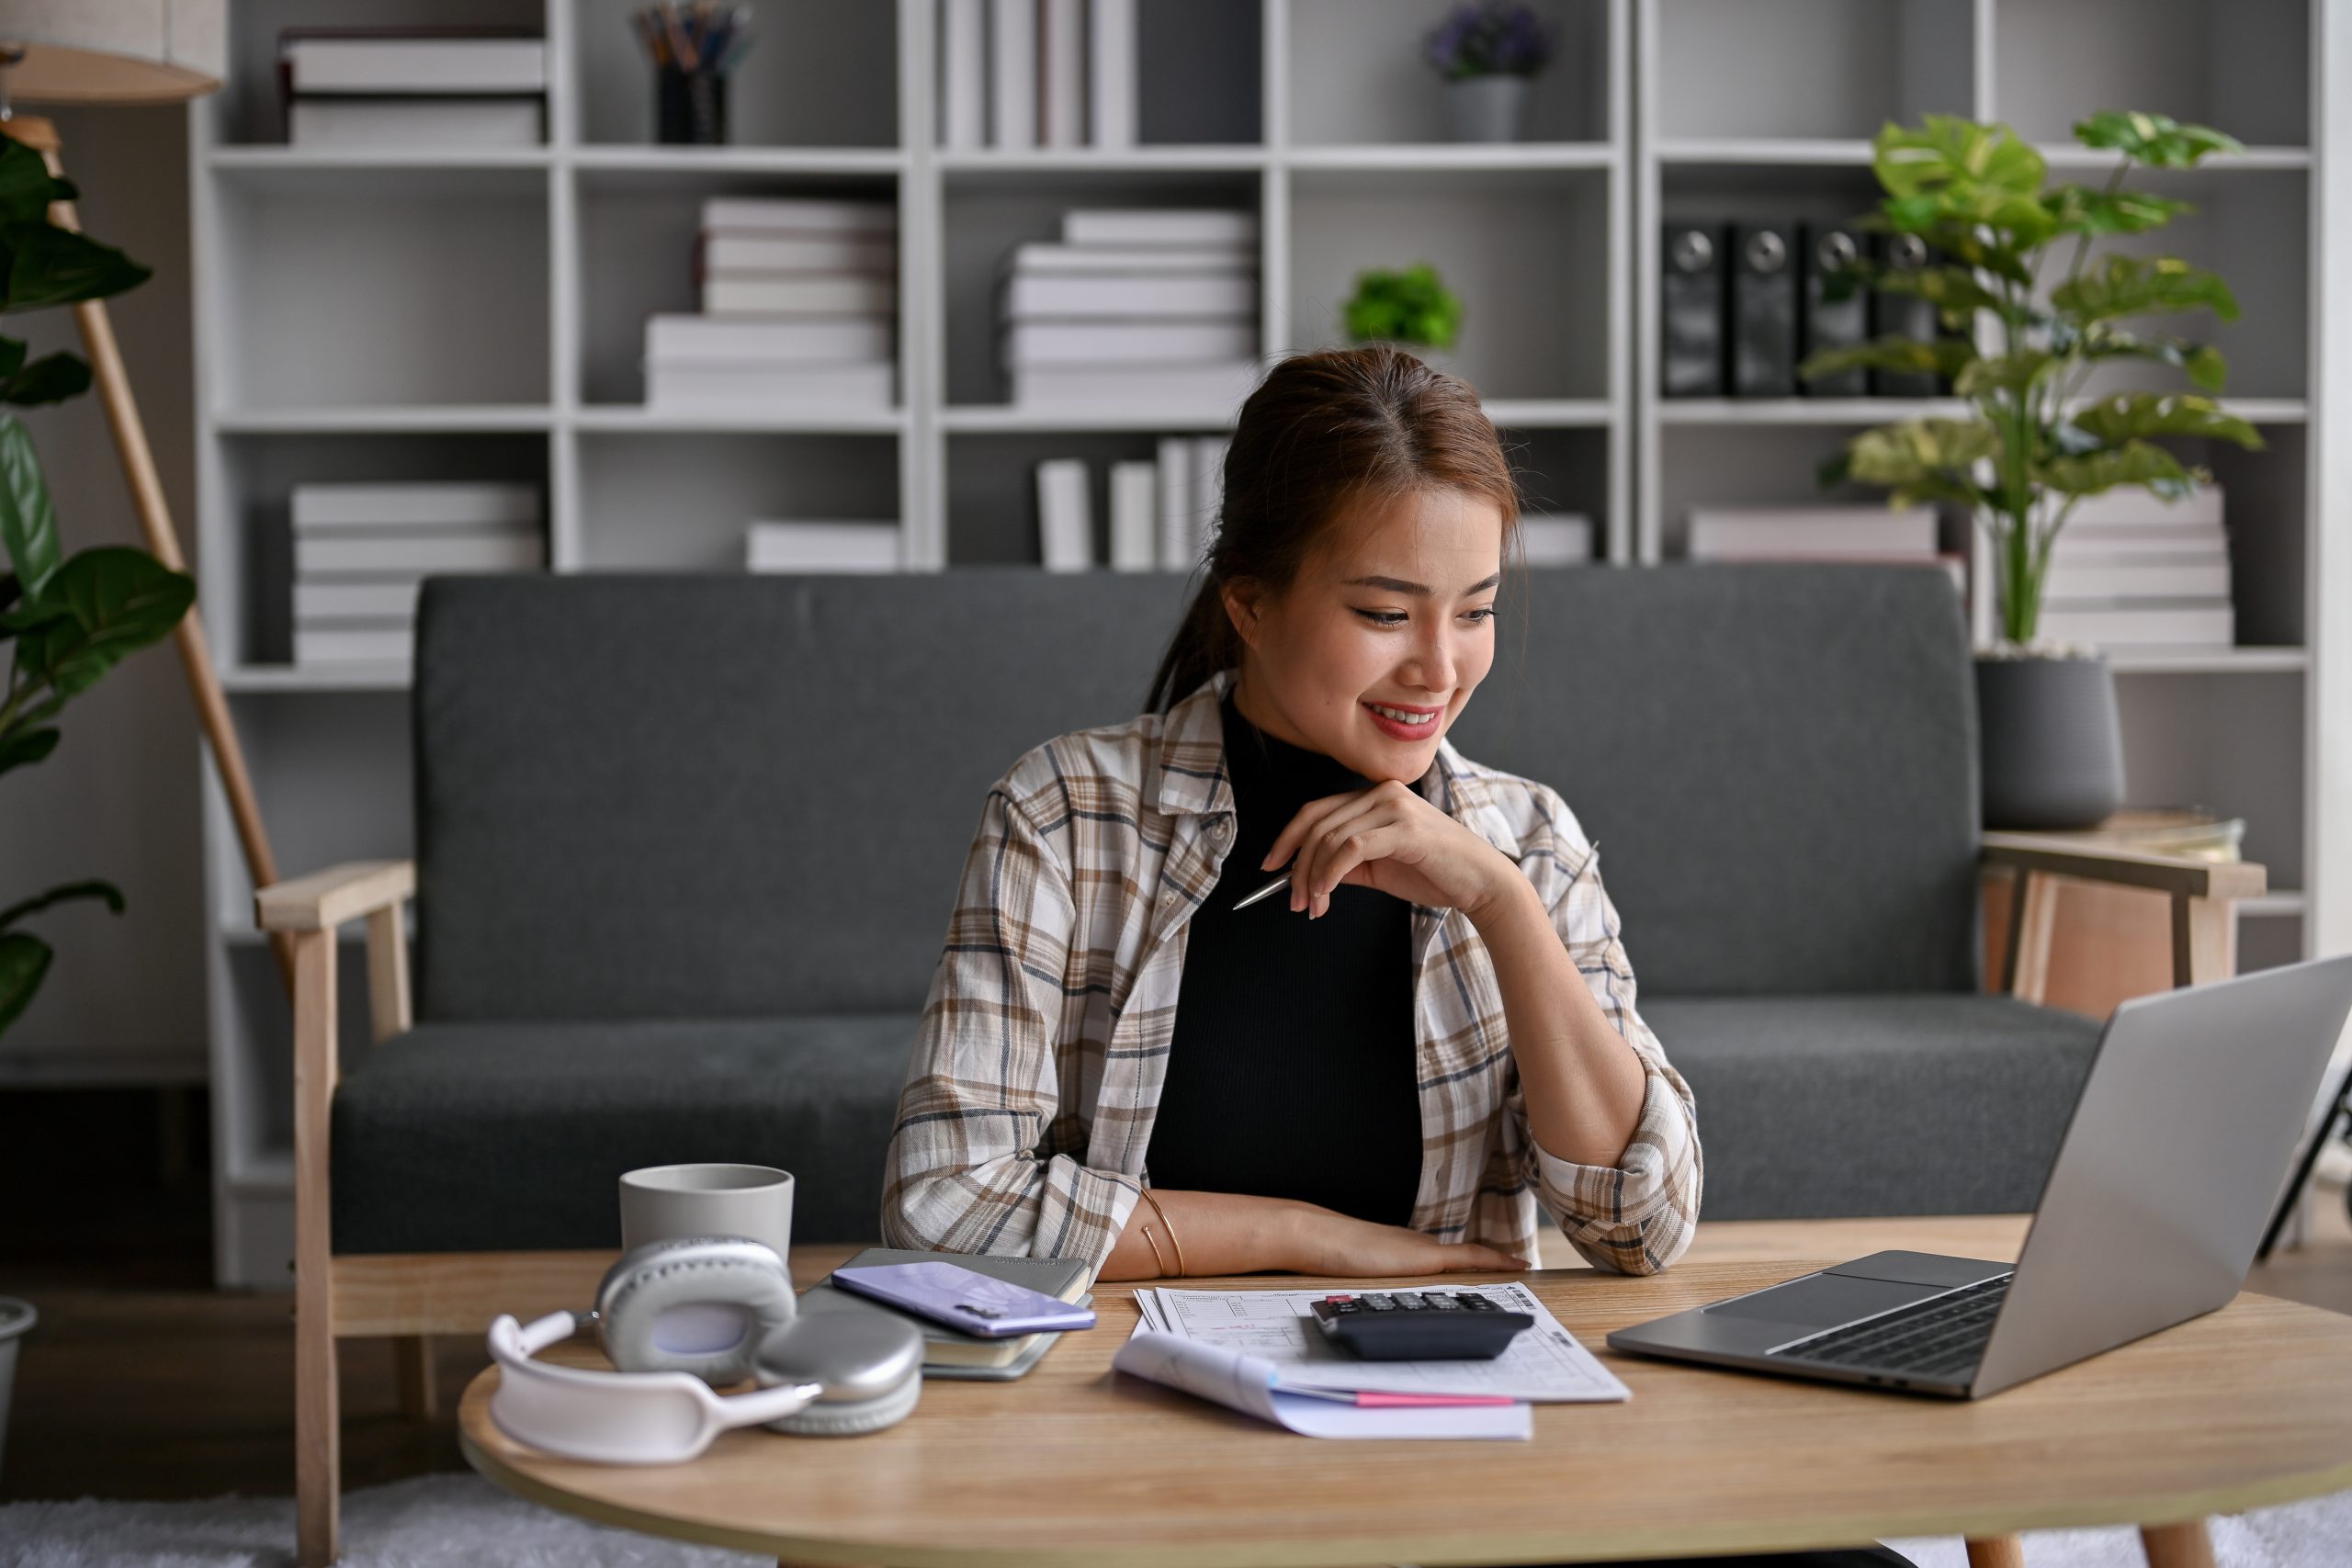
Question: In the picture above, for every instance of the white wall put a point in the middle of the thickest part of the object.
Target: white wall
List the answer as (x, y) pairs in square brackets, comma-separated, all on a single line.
[(118, 799)]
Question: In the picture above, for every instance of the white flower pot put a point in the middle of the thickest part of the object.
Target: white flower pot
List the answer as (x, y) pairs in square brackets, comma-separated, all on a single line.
[(1487, 108)]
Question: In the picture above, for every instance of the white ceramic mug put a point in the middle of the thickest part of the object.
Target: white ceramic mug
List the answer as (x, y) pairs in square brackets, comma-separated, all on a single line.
[(663, 1203)]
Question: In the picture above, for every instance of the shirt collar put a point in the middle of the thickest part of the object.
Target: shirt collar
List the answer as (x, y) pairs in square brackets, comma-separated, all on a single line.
[(1192, 779)]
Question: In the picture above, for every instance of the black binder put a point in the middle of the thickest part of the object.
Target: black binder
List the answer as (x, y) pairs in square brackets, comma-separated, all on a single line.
[(1829, 250), (1904, 315), (1763, 310), (1690, 357)]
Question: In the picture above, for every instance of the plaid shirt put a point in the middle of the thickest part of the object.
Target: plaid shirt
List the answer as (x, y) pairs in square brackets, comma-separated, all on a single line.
[(1026, 1116)]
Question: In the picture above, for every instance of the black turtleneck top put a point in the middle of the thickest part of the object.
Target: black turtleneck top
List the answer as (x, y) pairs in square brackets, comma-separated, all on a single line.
[(1292, 1069)]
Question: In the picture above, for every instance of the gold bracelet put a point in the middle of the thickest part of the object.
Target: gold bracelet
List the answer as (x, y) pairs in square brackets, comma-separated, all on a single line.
[(1157, 1261), (1179, 1246)]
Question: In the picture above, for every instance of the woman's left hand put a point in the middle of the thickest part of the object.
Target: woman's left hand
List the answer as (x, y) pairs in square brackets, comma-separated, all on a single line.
[(1389, 838)]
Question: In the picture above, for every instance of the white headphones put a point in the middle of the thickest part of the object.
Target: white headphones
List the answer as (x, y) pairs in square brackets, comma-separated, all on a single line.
[(679, 1318)]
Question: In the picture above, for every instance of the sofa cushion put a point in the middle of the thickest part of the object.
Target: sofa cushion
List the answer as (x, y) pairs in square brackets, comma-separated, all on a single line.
[(1814, 1107), (495, 1136)]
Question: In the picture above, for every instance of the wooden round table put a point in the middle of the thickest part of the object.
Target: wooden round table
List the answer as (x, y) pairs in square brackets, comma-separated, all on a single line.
[(1075, 1464)]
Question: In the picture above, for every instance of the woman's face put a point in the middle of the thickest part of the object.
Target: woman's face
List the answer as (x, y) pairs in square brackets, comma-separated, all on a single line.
[(1397, 612)]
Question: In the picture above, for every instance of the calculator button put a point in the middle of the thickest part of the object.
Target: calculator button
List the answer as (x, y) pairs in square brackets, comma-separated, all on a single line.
[(1409, 1300), (1444, 1303), (1378, 1301)]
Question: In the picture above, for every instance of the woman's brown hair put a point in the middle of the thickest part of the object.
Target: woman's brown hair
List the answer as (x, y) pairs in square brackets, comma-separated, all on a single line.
[(1322, 432)]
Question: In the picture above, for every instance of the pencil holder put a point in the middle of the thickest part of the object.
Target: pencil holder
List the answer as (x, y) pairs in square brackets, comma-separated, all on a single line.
[(690, 106)]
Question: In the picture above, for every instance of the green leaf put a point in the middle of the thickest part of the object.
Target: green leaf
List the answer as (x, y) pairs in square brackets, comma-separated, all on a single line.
[(1411, 306), (2128, 414), (2077, 210), (63, 893), (2133, 286), (27, 187), (1973, 245), (1951, 289), (25, 747), (2010, 373), (2153, 139), (28, 526), (1922, 459), (2133, 463), (116, 600), (2201, 362), (1949, 151), (56, 267), (23, 959), (1942, 357), (12, 356), (51, 379)]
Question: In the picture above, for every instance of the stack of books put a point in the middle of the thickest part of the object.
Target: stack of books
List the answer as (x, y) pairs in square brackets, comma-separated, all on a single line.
[(1555, 538), (2129, 570), (1900, 536), (1163, 513), (800, 311), (1144, 311), (1023, 74), (414, 87), (361, 552), (807, 546)]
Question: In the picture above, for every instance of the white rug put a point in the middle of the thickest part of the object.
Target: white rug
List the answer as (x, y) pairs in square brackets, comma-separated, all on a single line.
[(438, 1519)]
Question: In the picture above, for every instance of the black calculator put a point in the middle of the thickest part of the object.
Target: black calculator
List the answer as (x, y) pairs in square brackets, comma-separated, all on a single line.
[(1420, 1325)]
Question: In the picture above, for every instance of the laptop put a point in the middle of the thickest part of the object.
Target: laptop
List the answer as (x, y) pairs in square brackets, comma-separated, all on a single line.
[(2180, 1140)]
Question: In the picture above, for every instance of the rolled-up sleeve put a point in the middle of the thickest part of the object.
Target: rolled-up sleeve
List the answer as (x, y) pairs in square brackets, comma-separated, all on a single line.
[(1638, 1215), (970, 1167)]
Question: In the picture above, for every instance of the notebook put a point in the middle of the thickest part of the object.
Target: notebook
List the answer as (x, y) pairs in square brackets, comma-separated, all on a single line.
[(946, 1352)]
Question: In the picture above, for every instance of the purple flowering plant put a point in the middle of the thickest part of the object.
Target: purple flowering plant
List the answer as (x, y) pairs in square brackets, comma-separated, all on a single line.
[(1488, 37)]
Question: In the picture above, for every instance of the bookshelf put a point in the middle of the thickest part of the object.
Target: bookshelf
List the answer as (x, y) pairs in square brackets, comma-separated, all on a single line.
[(474, 315)]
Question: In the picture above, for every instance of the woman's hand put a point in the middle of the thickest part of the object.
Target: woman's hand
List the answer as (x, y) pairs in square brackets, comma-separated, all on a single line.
[(1341, 1246), (1389, 838)]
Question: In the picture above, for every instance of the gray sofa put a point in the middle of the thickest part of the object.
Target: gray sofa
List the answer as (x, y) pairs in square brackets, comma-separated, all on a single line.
[(686, 849)]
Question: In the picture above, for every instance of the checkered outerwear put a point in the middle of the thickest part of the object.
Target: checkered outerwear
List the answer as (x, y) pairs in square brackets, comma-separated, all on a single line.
[(1025, 1120)]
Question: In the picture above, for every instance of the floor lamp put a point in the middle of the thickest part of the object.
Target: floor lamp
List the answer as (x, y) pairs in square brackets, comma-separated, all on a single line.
[(135, 52)]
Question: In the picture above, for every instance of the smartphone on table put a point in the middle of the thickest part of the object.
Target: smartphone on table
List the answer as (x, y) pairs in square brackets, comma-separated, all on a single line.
[(962, 1299)]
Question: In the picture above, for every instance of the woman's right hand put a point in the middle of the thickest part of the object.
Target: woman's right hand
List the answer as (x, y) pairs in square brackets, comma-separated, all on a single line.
[(1339, 1246)]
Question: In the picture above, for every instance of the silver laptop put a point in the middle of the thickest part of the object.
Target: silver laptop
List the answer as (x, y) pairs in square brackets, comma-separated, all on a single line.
[(2180, 1141)]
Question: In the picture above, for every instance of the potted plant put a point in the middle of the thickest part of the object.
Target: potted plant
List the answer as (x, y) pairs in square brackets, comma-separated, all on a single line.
[(2032, 445), (1485, 50), (1409, 307)]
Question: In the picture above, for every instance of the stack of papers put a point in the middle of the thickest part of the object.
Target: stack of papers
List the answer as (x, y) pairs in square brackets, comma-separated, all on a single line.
[(1261, 1353)]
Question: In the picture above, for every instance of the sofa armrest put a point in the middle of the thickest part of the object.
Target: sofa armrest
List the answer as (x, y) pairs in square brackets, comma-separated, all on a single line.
[(2201, 891)]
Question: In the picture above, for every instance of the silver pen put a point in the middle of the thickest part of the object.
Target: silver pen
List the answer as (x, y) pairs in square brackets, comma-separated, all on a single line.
[(1279, 883)]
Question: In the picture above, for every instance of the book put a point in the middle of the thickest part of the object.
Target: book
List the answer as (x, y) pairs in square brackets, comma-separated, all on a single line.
[(804, 294), (369, 506), (354, 645), (2157, 577), (799, 214), (946, 1351), (803, 545), (1065, 525), (436, 62), (1126, 342), (1190, 393), (1550, 539), (417, 553), (1135, 532), (1207, 491), (416, 123), (324, 603), (1174, 471), (1012, 73), (718, 386), (829, 339), (1765, 533), (742, 251), (2131, 503), (1053, 256), (1111, 73), (2149, 622), (1193, 225), (963, 73), (2140, 539), (1198, 295), (1061, 72)]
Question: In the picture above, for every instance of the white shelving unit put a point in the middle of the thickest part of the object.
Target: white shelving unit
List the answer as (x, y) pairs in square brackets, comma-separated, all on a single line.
[(476, 315)]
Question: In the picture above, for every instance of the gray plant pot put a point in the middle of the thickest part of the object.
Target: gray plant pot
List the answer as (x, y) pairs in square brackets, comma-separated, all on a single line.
[(2052, 744), (16, 1317), (1487, 108)]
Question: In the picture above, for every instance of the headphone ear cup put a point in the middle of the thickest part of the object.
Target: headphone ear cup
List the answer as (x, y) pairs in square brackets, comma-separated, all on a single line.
[(823, 1420), (701, 1306)]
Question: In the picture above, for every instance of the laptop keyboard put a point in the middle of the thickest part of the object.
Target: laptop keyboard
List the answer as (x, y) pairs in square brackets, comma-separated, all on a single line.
[(1941, 1338)]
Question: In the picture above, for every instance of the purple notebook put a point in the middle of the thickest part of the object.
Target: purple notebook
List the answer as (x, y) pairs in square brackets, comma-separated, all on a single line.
[(974, 1302)]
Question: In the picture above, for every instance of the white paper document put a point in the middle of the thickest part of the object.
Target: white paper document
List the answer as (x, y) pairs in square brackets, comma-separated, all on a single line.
[(1545, 1365), (1247, 1384)]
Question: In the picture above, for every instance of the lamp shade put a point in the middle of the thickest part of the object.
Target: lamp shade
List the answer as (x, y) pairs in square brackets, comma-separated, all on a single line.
[(115, 51)]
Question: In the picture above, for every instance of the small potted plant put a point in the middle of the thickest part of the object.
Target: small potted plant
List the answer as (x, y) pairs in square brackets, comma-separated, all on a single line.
[(1485, 50), (2033, 444), (1409, 307)]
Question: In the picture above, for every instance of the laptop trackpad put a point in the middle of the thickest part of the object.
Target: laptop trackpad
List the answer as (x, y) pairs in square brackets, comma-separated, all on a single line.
[(1824, 1301)]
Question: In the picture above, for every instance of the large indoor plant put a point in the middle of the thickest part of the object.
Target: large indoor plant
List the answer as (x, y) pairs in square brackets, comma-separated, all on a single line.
[(70, 618), (1486, 51), (2025, 337)]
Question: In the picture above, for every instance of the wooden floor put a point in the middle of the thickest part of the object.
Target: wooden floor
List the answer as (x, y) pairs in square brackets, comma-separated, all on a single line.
[(141, 1382)]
